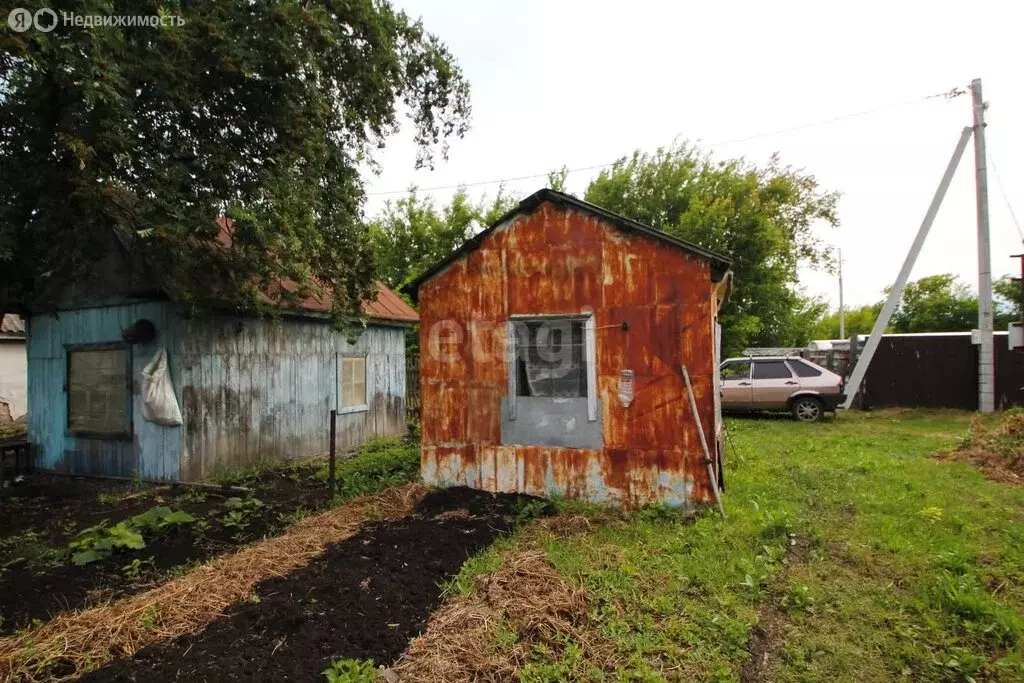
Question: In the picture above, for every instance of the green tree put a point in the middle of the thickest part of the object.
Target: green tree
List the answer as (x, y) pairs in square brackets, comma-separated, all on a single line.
[(412, 234), (936, 303), (1007, 292), (859, 320), (762, 217), (258, 111)]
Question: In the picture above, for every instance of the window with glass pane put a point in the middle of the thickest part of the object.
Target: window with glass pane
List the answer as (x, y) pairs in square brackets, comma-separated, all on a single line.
[(353, 381), (551, 358), (98, 391)]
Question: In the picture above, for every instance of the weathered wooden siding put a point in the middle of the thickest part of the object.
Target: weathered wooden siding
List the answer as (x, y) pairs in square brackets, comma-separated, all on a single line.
[(559, 261), (152, 453), (256, 391)]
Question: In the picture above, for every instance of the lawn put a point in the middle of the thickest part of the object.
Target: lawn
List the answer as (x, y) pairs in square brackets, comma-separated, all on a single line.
[(849, 553)]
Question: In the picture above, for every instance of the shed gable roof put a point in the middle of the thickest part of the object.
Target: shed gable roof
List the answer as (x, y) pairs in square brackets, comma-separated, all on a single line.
[(719, 264)]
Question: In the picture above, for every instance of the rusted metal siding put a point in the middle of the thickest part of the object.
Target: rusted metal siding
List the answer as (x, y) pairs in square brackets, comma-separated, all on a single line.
[(559, 261), (257, 391)]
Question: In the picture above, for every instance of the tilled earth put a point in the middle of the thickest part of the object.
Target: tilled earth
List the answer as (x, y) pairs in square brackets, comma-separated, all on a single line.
[(39, 517), (364, 598)]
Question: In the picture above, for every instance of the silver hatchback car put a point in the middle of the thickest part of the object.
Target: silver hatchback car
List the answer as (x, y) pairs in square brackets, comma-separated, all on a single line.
[(786, 383)]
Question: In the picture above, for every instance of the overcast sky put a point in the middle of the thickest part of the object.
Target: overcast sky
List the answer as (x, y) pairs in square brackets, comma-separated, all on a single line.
[(583, 83)]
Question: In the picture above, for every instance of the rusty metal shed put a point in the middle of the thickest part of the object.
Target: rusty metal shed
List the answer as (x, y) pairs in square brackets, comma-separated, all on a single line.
[(552, 346)]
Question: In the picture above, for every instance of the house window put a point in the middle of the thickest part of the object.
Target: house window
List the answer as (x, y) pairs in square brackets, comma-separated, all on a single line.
[(99, 391), (353, 384), (552, 357)]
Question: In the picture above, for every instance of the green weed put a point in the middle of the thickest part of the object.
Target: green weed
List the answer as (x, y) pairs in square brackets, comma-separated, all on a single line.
[(378, 464), (351, 671), (98, 542)]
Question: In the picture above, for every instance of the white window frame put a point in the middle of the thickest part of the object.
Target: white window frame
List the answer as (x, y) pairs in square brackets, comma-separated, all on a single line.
[(589, 348), (365, 406)]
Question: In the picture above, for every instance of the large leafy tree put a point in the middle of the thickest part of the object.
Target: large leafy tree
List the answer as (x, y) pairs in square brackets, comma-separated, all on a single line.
[(760, 216), (262, 112), (936, 303), (412, 234)]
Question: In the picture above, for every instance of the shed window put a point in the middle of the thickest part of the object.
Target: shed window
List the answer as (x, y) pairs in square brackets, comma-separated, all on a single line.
[(553, 357), (353, 383), (99, 393)]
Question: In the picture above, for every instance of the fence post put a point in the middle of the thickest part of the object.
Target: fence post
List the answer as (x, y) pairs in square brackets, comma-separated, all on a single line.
[(332, 450)]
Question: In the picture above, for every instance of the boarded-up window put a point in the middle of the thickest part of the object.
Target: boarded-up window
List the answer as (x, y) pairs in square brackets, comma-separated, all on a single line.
[(98, 391), (353, 382)]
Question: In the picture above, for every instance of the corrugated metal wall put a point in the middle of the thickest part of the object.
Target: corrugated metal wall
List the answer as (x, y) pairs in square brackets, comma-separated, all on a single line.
[(556, 261), (256, 391), (153, 450)]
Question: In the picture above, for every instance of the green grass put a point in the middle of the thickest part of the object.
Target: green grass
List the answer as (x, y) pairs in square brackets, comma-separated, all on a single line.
[(862, 557), (378, 464)]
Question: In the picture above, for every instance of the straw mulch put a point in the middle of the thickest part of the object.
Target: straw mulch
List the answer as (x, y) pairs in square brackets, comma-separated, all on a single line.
[(73, 643), (528, 597)]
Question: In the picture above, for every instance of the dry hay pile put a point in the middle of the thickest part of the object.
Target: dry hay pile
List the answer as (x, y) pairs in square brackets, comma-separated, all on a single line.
[(527, 597), (996, 451), (73, 643)]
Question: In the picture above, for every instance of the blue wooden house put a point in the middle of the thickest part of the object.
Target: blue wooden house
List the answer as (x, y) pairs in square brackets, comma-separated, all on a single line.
[(250, 390)]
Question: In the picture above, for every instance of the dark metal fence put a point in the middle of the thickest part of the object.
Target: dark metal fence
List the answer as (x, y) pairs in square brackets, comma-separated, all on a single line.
[(939, 371)]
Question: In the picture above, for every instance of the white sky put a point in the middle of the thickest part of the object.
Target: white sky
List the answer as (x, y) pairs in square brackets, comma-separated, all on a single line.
[(583, 83)]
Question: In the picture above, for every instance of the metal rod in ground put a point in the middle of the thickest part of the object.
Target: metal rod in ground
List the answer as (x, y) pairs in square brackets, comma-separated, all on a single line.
[(332, 450), (703, 441)]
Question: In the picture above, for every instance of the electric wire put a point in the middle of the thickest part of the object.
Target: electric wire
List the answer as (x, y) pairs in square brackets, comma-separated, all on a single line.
[(946, 94)]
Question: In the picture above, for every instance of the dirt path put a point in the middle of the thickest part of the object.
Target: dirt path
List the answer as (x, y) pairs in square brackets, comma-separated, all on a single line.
[(74, 643)]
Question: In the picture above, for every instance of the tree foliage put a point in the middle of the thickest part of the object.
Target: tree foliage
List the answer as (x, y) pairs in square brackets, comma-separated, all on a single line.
[(936, 303), (412, 234), (261, 112), (859, 320), (761, 217)]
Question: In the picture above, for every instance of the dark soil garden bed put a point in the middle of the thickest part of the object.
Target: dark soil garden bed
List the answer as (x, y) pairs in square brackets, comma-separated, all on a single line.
[(363, 598), (41, 515)]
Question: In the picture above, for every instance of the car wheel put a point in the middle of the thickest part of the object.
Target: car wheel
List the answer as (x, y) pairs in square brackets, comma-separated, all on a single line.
[(807, 409)]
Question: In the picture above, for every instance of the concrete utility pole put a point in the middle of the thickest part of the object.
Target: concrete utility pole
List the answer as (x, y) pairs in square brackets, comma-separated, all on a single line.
[(986, 360), (901, 280), (842, 312)]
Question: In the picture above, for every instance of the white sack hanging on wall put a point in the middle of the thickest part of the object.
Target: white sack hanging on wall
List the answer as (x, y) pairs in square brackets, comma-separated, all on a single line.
[(159, 404)]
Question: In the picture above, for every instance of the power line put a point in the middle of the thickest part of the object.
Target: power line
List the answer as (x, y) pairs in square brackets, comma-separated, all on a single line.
[(1006, 198), (947, 95)]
